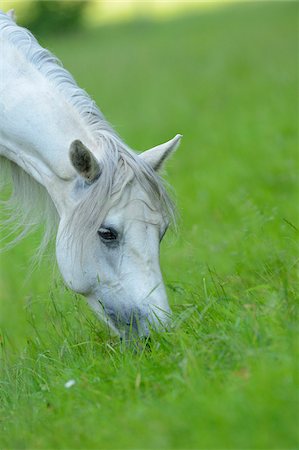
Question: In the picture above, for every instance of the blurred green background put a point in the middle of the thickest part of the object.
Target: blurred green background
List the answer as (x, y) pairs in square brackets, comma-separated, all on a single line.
[(225, 75), (61, 15)]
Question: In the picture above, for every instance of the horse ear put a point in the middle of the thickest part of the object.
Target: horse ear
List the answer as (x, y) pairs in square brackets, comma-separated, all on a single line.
[(84, 162), (11, 13), (156, 156)]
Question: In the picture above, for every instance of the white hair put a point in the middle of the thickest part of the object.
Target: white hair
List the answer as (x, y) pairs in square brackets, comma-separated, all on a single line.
[(119, 166)]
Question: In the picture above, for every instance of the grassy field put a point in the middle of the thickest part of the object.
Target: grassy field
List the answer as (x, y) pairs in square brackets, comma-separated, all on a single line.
[(225, 376)]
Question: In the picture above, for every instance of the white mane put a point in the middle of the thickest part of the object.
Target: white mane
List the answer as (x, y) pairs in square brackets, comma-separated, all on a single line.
[(50, 66), (119, 166)]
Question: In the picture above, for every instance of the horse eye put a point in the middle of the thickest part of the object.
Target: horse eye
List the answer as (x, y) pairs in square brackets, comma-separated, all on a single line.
[(108, 234)]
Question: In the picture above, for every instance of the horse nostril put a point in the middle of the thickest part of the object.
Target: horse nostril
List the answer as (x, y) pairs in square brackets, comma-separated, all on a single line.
[(134, 323), (135, 320)]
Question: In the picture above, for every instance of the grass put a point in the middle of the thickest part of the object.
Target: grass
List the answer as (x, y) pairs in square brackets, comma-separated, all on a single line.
[(226, 376)]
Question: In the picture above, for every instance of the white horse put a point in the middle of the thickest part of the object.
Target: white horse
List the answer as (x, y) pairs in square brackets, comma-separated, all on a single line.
[(109, 205)]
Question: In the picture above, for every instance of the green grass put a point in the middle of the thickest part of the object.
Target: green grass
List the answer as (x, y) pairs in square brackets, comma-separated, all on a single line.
[(225, 377)]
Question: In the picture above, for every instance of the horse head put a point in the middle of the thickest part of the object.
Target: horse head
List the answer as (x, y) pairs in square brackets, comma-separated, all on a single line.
[(109, 236)]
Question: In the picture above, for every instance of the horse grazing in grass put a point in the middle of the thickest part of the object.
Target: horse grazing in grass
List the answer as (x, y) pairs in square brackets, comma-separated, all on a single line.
[(106, 204)]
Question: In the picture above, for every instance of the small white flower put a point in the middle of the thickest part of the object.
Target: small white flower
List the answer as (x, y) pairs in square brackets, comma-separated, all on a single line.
[(69, 384)]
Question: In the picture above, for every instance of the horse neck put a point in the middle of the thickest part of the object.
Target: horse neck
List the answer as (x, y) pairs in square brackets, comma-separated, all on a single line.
[(38, 125)]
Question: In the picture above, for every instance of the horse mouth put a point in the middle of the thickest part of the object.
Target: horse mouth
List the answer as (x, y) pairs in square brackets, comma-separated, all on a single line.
[(130, 325), (139, 323)]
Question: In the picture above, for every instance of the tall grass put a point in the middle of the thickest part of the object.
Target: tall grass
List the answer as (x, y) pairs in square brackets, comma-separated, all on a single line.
[(226, 374)]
